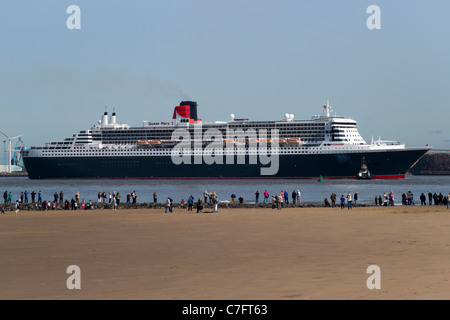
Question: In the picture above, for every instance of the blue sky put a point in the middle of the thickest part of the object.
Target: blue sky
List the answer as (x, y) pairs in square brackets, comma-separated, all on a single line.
[(256, 59)]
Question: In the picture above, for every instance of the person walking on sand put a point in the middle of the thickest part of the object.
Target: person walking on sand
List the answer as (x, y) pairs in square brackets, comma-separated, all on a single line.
[(349, 201), (168, 205), (199, 205), (114, 203), (16, 207), (448, 200), (215, 203)]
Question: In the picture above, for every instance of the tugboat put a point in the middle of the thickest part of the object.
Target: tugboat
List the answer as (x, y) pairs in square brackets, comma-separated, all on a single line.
[(364, 173)]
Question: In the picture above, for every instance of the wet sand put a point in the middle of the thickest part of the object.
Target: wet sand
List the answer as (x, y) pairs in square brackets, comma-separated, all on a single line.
[(295, 253)]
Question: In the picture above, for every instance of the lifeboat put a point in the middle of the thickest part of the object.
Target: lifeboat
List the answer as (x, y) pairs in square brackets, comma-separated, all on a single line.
[(155, 143), (142, 143), (293, 141)]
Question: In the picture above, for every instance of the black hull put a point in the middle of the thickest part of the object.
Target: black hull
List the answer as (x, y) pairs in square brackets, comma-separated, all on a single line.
[(382, 165)]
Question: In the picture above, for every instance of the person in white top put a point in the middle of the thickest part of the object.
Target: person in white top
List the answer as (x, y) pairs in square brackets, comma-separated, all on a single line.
[(16, 207), (448, 200), (349, 201)]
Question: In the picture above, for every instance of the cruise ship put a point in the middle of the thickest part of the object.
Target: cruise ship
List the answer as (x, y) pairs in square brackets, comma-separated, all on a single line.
[(185, 147)]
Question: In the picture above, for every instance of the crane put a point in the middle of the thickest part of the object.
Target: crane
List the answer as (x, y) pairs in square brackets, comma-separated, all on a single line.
[(10, 139)]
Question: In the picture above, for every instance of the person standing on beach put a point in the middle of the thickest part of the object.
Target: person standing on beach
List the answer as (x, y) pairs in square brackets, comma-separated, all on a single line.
[(256, 196), (33, 196), (298, 196), (233, 198), (349, 201), (190, 203), (279, 202), (241, 200), (118, 196), (333, 199), (26, 196), (355, 199), (10, 197), (55, 197), (423, 200), (61, 197), (155, 197), (110, 197), (21, 197), (430, 197), (215, 202), (391, 198), (266, 196), (342, 201), (286, 197), (294, 196), (205, 196), (281, 198)]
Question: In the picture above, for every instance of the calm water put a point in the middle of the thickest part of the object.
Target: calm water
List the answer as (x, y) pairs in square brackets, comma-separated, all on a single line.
[(312, 190)]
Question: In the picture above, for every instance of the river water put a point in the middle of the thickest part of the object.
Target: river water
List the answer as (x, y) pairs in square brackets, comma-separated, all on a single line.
[(311, 190)]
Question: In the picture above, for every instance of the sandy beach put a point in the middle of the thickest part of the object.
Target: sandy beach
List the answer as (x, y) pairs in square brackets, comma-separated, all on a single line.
[(295, 253)]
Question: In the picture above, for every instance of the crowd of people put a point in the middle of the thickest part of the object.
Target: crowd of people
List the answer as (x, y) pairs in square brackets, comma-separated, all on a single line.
[(278, 200)]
